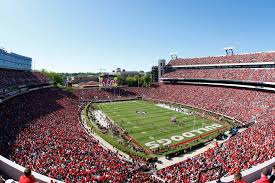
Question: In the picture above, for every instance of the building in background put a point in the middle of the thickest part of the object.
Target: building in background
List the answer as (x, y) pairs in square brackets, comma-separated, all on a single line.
[(14, 61), (155, 74), (161, 68), (82, 81), (123, 73), (158, 71)]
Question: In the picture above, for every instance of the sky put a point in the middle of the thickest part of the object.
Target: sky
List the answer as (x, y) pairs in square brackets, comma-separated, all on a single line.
[(90, 35)]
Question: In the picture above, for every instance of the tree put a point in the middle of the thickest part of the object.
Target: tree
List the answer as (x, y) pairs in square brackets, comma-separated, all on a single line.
[(119, 80), (131, 81), (147, 80), (55, 77), (138, 80)]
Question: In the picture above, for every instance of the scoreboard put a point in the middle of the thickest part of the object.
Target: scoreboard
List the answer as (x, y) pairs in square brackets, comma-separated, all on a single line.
[(107, 80)]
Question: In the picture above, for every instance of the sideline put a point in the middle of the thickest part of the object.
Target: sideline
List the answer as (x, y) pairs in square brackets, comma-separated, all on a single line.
[(102, 142)]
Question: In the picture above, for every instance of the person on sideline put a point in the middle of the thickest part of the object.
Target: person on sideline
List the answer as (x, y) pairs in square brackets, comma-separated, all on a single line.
[(27, 177)]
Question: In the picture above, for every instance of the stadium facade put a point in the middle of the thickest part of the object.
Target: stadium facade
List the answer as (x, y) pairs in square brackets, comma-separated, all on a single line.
[(14, 61)]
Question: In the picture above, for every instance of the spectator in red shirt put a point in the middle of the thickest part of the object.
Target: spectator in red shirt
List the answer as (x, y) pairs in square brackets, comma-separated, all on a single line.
[(27, 177), (264, 178), (238, 178), (272, 176)]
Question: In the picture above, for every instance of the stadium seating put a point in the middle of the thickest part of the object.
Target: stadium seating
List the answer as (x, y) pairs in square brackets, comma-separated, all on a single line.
[(240, 104), (243, 74), (14, 78), (47, 136), (247, 149), (45, 133), (243, 58), (104, 94)]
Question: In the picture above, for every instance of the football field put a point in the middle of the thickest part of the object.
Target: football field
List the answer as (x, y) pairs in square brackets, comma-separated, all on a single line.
[(150, 124)]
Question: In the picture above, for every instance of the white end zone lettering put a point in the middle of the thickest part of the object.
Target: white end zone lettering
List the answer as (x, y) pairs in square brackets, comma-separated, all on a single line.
[(192, 133), (197, 131), (152, 144), (177, 138), (188, 134), (164, 141)]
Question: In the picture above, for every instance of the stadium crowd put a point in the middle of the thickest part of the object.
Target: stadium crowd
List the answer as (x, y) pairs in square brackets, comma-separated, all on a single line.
[(12, 78), (102, 94), (244, 74), (244, 105), (47, 136), (242, 58), (249, 148)]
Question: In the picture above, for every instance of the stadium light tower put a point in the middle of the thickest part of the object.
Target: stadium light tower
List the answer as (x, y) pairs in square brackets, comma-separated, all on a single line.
[(174, 55), (229, 50)]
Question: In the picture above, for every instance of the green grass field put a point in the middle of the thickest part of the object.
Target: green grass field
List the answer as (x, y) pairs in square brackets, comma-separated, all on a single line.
[(150, 125)]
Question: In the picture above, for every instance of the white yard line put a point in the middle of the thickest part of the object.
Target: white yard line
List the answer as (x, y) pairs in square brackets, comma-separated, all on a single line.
[(181, 110)]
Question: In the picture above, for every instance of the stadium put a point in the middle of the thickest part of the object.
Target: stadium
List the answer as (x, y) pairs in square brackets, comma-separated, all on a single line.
[(189, 108), (188, 120)]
